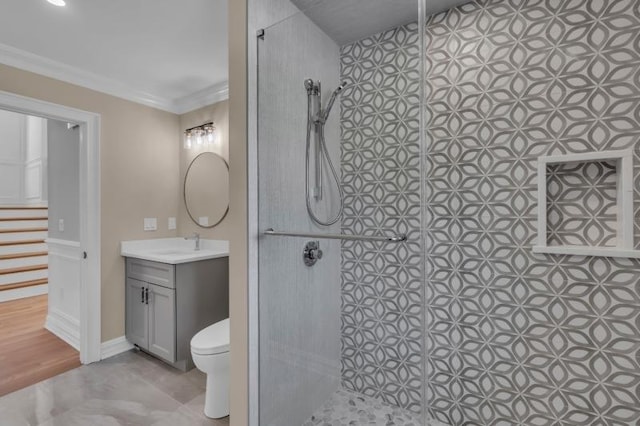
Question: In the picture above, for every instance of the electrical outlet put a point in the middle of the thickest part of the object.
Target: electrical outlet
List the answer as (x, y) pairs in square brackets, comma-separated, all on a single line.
[(203, 220), (60, 225), (172, 223), (150, 224)]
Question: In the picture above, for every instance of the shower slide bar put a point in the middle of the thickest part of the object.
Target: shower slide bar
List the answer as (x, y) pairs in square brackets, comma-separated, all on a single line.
[(397, 238)]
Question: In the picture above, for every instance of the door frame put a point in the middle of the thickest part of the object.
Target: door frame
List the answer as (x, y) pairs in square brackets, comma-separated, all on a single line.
[(89, 122)]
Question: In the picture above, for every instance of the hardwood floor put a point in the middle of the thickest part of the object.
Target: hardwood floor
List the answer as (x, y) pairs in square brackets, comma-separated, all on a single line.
[(28, 352)]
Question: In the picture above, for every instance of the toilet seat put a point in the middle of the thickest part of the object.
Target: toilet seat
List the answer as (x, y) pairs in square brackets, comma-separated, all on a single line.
[(212, 340)]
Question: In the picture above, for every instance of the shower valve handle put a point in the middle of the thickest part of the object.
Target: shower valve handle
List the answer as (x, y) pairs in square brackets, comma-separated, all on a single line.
[(316, 254), (311, 253)]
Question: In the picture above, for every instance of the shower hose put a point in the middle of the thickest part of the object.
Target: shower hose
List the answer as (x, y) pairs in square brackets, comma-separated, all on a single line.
[(319, 125)]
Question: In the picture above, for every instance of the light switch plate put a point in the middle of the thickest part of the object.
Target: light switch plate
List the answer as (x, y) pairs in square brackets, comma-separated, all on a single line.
[(60, 225), (150, 224), (203, 220), (172, 223)]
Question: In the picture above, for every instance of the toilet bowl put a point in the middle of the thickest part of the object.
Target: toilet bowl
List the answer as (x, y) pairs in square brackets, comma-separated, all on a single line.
[(210, 353)]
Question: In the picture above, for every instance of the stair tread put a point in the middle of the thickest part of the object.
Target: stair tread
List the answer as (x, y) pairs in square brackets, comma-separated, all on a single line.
[(23, 255), (20, 219), (19, 243), (21, 230), (23, 284), (23, 208), (19, 269)]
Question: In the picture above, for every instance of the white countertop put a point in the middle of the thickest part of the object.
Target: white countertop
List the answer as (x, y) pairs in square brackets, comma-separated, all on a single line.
[(174, 250)]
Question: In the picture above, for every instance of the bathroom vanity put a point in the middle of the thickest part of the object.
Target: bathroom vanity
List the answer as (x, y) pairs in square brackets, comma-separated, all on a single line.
[(172, 292)]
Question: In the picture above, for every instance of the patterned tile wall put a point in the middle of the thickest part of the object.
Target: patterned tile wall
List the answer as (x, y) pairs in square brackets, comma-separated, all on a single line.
[(515, 338), (582, 204), (382, 300)]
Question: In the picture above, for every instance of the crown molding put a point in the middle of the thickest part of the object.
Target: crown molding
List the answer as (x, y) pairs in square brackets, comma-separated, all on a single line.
[(207, 96), (27, 61)]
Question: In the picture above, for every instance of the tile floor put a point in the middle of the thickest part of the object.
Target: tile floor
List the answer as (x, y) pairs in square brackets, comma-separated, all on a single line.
[(130, 389), (346, 408)]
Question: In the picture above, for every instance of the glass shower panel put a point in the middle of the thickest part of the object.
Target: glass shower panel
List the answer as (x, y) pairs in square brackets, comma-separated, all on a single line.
[(299, 305), (342, 338)]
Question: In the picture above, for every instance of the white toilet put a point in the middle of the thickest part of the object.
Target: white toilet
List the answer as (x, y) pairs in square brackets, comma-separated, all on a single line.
[(210, 352)]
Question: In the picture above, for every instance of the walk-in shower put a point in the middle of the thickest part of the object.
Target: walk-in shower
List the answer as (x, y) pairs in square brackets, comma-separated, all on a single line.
[(485, 158), (341, 281)]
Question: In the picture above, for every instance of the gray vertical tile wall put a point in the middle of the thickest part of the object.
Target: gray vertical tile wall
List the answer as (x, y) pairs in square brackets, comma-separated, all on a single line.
[(299, 306), (516, 338), (382, 284)]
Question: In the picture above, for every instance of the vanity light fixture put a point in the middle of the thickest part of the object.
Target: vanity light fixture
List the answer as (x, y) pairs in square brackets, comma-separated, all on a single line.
[(59, 3), (204, 134)]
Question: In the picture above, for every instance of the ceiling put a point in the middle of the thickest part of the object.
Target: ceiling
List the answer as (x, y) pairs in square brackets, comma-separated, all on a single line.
[(348, 21), (164, 53)]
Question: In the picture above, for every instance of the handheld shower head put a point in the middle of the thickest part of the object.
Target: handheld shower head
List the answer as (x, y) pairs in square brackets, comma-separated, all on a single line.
[(334, 95)]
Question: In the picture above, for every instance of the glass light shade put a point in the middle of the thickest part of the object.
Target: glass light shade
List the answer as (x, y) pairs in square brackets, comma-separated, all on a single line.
[(211, 135), (199, 137), (188, 140)]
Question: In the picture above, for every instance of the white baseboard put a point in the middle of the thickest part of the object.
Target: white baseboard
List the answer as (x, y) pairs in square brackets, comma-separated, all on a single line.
[(114, 347), (65, 327), (21, 293)]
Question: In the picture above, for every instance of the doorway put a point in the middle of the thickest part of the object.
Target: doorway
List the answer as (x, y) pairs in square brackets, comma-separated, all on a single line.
[(83, 257)]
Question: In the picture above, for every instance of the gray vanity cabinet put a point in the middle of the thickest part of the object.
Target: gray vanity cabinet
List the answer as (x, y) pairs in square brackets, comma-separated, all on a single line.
[(162, 322), (150, 317), (166, 305), (137, 313)]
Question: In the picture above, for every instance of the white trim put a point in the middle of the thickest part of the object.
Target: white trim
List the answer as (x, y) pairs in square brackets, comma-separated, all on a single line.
[(90, 308), (202, 98), (64, 279), (90, 305), (587, 157), (65, 244), (588, 251), (23, 293), (625, 222), (114, 347), (28, 61), (64, 326)]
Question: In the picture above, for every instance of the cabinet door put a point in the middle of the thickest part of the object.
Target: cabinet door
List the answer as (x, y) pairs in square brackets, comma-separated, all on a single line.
[(137, 320), (162, 324)]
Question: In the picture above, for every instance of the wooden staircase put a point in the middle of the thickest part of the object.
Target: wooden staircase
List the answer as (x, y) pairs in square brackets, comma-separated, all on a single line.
[(23, 251)]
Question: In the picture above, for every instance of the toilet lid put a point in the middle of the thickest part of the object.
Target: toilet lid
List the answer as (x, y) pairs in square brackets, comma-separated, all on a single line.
[(212, 340)]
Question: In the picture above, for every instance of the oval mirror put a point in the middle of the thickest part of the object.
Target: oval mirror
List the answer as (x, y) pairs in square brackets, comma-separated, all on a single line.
[(206, 189)]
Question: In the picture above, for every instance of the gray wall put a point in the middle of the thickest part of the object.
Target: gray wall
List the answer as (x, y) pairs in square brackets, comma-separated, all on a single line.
[(63, 147), (516, 338), (299, 306), (382, 299)]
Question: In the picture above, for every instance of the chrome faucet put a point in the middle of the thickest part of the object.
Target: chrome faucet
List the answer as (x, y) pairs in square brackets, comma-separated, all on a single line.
[(196, 238)]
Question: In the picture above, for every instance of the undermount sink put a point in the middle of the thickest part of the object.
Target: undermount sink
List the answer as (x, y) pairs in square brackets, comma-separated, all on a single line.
[(174, 250)]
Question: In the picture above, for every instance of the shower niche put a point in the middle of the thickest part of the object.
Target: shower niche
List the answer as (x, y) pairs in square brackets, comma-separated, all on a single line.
[(585, 204)]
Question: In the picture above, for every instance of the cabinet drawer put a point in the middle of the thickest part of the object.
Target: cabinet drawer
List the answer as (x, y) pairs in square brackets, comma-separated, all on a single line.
[(161, 274)]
